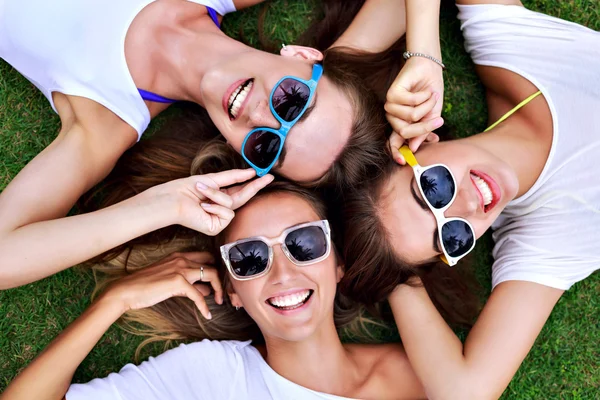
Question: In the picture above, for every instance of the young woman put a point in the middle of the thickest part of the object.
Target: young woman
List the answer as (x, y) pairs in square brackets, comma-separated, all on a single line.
[(108, 68), (280, 270), (530, 177)]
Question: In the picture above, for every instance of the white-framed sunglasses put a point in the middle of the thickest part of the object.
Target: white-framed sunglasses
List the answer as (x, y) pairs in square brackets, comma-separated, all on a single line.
[(303, 244), (438, 188)]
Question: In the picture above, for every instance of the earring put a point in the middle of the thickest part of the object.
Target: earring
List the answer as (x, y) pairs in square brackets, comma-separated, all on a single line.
[(283, 46), (237, 308)]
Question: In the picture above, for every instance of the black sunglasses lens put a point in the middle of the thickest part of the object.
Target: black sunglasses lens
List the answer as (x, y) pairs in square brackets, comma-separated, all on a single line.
[(261, 148), (249, 258), (457, 238), (438, 186), (306, 244), (290, 98)]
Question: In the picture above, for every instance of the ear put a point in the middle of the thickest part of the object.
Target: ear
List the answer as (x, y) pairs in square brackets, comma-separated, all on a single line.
[(339, 272), (305, 53), (235, 299)]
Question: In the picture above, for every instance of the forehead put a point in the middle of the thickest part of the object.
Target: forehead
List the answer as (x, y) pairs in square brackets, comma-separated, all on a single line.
[(313, 144), (269, 215), (411, 228)]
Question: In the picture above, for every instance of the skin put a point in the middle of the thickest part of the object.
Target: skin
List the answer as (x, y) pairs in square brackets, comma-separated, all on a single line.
[(303, 347), (514, 154), (165, 50)]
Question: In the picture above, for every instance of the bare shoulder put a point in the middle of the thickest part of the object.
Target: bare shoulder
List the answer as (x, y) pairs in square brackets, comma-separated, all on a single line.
[(388, 371), (503, 2)]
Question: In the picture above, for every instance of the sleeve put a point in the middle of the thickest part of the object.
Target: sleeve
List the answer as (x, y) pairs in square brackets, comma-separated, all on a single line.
[(222, 7), (195, 371)]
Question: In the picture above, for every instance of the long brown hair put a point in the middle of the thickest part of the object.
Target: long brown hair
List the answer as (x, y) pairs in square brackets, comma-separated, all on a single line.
[(373, 269), (178, 318)]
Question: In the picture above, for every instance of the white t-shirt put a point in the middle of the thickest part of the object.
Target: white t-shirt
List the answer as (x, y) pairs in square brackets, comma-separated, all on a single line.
[(77, 47), (551, 234), (210, 370)]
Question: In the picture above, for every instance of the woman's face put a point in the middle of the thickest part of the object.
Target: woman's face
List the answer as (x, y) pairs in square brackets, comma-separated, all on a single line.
[(314, 141), (269, 216), (410, 222)]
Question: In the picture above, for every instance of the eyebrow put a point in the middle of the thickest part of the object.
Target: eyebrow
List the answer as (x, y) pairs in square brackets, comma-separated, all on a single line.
[(421, 203), (306, 114)]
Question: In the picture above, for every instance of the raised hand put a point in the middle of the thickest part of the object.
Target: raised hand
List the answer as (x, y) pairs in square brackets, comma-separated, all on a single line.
[(414, 105), (206, 203)]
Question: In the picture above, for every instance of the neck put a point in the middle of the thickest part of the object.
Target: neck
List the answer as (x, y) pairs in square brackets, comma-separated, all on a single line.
[(186, 46), (320, 363), (520, 146)]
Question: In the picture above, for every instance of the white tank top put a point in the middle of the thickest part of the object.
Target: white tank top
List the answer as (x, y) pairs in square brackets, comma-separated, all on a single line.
[(551, 234), (77, 47)]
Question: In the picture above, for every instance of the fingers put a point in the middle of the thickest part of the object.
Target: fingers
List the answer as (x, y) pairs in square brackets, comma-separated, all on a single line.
[(421, 128), (216, 195), (188, 290), (412, 113), (395, 142), (415, 143), (225, 214), (399, 95), (231, 177), (204, 273), (242, 196)]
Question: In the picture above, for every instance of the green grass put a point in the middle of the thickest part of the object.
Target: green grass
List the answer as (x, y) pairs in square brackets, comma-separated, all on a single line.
[(564, 363)]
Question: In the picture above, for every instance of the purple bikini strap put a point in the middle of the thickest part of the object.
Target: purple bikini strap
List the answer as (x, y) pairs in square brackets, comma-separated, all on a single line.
[(214, 16), (149, 96), (156, 98)]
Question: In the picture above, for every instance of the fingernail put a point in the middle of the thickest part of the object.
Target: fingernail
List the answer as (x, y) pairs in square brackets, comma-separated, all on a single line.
[(438, 122), (205, 205), (209, 316), (201, 186), (400, 160)]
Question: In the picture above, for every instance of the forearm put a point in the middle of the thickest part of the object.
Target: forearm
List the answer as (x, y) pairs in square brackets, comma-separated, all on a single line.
[(423, 27), (48, 377), (435, 352), (376, 27), (40, 249)]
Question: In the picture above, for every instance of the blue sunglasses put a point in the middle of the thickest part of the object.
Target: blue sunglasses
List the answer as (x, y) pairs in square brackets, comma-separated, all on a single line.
[(289, 100)]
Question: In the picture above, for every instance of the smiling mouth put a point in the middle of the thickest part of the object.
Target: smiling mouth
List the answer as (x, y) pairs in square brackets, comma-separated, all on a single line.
[(237, 98), (290, 301), (488, 190)]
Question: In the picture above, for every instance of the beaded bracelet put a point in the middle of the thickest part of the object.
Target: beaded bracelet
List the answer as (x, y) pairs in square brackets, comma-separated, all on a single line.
[(408, 54)]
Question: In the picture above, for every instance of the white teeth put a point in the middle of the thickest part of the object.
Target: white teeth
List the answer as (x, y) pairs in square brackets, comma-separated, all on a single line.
[(484, 189), (290, 300), (237, 98)]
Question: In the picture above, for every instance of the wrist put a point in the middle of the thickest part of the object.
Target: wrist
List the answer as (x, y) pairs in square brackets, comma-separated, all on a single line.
[(163, 206), (111, 304), (424, 59)]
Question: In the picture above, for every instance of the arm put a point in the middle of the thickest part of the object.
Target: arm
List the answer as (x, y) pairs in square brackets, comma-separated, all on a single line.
[(378, 24), (501, 338), (49, 376), (36, 240)]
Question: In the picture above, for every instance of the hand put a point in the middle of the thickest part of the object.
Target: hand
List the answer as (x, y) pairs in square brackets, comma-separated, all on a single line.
[(177, 275), (206, 203), (414, 105)]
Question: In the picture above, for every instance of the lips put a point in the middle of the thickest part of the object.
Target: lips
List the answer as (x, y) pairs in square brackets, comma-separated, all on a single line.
[(291, 300), (487, 189), (236, 96)]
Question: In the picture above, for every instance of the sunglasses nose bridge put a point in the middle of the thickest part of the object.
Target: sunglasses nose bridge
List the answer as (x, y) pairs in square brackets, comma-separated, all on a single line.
[(262, 117)]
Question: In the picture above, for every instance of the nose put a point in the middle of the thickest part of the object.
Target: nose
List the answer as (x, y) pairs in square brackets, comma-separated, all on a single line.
[(283, 269), (261, 116), (466, 203)]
